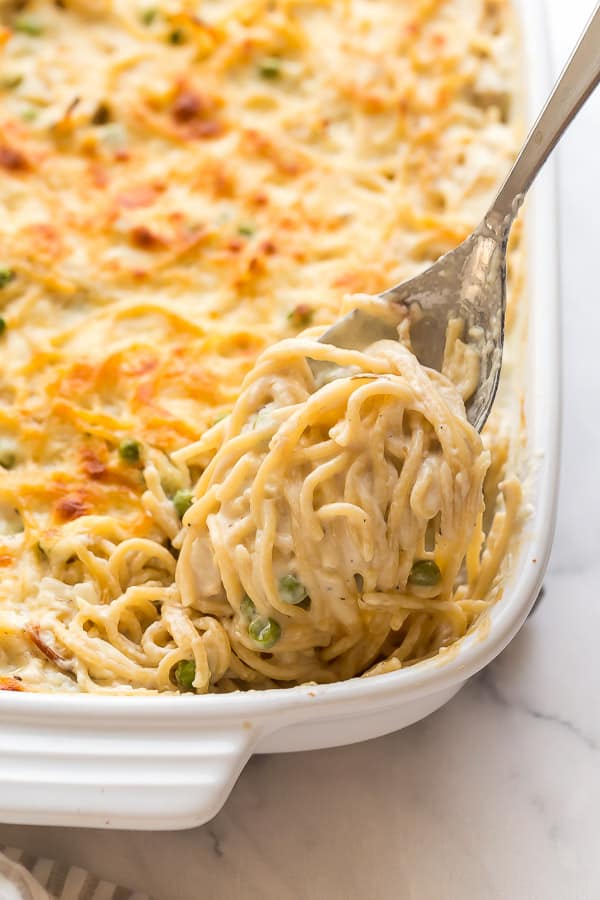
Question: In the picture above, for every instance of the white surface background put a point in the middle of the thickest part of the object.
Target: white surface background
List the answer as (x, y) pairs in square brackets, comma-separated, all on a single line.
[(498, 794)]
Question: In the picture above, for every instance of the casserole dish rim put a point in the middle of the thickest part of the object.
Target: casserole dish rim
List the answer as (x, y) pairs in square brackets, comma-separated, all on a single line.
[(260, 713)]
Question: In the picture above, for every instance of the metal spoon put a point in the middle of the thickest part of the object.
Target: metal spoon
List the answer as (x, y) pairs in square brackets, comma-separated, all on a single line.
[(470, 281)]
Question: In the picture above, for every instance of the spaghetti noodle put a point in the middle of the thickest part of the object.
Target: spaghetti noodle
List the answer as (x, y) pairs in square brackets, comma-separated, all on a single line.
[(331, 524), (182, 186)]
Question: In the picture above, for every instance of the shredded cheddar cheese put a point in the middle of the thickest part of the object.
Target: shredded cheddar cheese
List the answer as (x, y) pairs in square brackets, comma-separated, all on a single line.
[(182, 186)]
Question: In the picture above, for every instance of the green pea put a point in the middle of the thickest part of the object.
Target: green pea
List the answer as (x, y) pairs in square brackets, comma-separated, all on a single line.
[(247, 607), (148, 16), (2, 325), (177, 37), (184, 673), (8, 459), (424, 573), (246, 229), (28, 25), (270, 67), (264, 632), (291, 590), (130, 451), (182, 501), (6, 276)]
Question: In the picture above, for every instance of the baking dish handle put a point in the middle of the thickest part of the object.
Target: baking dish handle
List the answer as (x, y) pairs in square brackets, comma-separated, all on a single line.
[(119, 774)]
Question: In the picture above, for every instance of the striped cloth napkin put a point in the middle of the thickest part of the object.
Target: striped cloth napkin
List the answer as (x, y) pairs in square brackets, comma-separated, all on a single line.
[(26, 877)]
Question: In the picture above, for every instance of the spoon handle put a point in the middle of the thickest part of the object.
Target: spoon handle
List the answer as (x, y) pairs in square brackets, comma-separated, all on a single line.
[(577, 81)]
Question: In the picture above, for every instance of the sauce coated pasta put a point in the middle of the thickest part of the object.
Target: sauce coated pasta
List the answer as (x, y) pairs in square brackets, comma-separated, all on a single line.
[(185, 189)]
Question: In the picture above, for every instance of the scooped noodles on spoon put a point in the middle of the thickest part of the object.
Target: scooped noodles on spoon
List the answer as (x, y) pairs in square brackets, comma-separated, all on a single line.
[(337, 529)]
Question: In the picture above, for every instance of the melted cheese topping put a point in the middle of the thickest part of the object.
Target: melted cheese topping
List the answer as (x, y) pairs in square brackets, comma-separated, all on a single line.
[(182, 185)]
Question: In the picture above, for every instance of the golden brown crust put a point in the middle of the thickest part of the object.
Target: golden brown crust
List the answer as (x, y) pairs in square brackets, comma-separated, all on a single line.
[(176, 195)]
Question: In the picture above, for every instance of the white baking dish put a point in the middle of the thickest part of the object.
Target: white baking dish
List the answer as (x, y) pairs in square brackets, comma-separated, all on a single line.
[(170, 762)]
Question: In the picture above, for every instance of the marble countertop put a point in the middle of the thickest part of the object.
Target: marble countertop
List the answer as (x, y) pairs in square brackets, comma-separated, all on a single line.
[(495, 796)]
